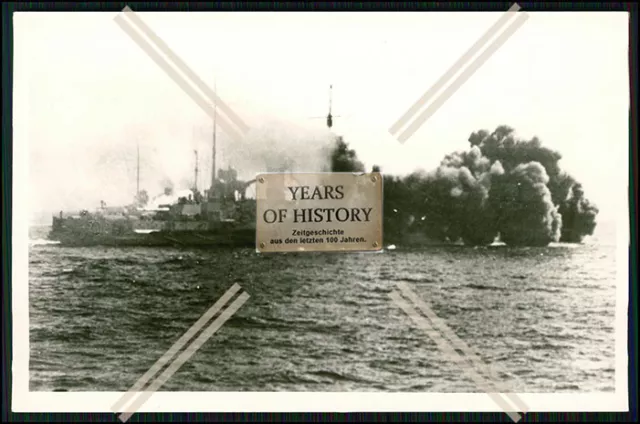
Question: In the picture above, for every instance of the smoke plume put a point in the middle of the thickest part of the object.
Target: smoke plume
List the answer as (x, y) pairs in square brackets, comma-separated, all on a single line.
[(524, 212), (579, 216), (501, 187), (342, 159), (278, 147)]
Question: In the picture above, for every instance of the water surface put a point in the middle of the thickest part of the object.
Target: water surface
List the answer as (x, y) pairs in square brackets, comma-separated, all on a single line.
[(100, 317)]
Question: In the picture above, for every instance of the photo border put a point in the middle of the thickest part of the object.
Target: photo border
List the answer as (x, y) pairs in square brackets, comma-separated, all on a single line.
[(14, 248)]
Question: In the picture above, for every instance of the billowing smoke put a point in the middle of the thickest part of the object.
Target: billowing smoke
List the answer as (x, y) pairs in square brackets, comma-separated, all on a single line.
[(277, 147), (167, 185), (524, 212), (579, 216), (341, 158), (552, 203), (456, 201), (501, 187)]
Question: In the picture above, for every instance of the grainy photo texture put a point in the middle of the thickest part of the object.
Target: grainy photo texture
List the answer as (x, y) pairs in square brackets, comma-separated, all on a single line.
[(501, 144)]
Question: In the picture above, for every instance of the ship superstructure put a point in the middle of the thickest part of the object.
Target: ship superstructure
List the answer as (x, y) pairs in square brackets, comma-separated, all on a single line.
[(222, 214)]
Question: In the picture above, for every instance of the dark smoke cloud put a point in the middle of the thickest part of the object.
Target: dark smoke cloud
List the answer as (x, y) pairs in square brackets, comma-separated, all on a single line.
[(457, 205), (343, 159), (501, 187), (525, 214), (579, 216), (553, 203)]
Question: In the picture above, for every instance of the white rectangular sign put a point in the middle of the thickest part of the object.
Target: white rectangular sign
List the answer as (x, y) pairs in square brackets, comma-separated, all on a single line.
[(319, 212)]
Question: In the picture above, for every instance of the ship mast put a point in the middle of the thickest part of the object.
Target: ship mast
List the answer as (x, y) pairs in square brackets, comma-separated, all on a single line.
[(138, 172), (195, 179), (329, 116), (215, 115)]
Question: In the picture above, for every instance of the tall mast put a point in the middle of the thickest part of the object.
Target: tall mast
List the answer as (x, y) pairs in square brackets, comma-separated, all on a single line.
[(215, 115), (195, 179), (329, 116), (138, 172)]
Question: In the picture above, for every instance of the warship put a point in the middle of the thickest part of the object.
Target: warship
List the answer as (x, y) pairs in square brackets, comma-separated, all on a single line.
[(222, 215)]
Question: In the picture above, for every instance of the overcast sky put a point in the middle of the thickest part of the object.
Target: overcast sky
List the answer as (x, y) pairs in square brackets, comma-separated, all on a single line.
[(86, 94)]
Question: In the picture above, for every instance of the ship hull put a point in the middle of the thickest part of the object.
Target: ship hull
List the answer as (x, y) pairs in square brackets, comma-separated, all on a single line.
[(160, 239)]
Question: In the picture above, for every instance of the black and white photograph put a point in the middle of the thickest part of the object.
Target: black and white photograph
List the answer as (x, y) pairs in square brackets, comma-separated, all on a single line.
[(500, 278)]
